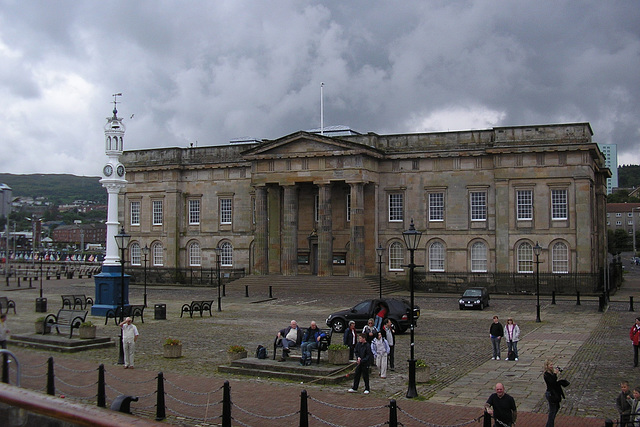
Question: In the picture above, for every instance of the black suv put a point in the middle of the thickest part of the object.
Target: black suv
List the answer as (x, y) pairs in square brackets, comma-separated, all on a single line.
[(399, 312), (474, 297)]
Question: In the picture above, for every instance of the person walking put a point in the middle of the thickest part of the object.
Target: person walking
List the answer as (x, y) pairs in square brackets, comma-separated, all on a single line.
[(502, 407), (129, 338), (496, 332), (554, 393), (512, 335), (4, 331), (380, 349), (634, 335), (623, 404), (390, 334), (364, 356)]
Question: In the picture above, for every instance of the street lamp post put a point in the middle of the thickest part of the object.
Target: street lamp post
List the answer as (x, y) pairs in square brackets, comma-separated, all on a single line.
[(145, 252), (633, 223), (122, 240), (218, 251), (380, 251), (412, 240), (537, 250)]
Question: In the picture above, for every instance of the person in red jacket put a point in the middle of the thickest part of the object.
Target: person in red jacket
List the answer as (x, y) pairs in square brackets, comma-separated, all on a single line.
[(634, 335)]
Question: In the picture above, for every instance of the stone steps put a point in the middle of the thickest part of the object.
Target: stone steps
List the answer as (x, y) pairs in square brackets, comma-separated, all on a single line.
[(61, 343)]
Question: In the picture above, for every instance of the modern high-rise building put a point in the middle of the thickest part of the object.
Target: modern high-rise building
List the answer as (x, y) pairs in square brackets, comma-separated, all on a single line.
[(311, 204), (610, 152)]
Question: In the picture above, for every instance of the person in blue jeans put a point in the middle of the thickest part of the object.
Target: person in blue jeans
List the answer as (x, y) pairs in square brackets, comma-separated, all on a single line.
[(310, 341), (554, 393), (512, 335), (496, 332)]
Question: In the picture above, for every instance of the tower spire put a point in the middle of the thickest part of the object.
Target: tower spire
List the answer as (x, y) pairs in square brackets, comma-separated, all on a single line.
[(115, 103)]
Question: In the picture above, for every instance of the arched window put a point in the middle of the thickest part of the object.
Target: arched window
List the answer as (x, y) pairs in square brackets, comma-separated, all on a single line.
[(157, 254), (134, 252), (479, 257), (436, 257), (194, 254), (560, 258), (396, 256), (525, 258), (226, 255)]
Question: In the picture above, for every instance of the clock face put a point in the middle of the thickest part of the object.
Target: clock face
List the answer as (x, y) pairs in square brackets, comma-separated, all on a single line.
[(120, 170), (107, 170)]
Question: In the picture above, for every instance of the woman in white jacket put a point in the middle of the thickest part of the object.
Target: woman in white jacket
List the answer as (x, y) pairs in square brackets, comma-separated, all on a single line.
[(512, 335)]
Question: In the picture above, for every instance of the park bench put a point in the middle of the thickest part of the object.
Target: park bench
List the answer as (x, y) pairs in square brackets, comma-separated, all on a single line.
[(324, 344), (81, 301), (200, 306), (129, 311), (6, 304), (71, 319)]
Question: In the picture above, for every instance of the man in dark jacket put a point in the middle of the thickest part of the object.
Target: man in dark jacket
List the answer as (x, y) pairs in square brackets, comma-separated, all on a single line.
[(310, 341), (290, 336), (496, 332), (364, 356), (623, 404), (502, 407)]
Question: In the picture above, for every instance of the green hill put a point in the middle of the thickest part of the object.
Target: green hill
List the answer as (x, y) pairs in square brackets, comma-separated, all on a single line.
[(57, 188)]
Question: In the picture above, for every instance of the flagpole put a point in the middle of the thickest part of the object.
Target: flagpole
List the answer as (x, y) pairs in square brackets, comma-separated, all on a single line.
[(321, 109)]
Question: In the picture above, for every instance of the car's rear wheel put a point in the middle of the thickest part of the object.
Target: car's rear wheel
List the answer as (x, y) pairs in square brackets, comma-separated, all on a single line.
[(481, 306), (338, 325)]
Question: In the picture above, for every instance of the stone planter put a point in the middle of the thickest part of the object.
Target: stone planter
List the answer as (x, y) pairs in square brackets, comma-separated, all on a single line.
[(172, 351), (423, 374), (87, 332), (236, 355), (338, 357), (40, 327)]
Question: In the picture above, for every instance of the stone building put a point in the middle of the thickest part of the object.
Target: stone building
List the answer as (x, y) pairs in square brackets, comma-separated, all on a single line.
[(320, 204)]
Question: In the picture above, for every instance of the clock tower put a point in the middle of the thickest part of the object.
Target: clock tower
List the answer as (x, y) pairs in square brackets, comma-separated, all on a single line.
[(109, 291)]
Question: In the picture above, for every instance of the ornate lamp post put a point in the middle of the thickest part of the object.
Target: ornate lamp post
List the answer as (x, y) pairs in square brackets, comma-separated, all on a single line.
[(218, 251), (412, 240), (380, 251), (122, 240), (537, 250), (41, 303), (145, 252)]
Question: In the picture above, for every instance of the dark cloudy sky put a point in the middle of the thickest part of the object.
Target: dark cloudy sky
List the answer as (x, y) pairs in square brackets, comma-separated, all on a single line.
[(211, 71)]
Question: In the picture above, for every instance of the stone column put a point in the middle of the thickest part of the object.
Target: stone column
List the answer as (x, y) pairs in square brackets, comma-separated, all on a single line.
[(261, 265), (290, 231), (356, 257), (325, 234), (504, 211)]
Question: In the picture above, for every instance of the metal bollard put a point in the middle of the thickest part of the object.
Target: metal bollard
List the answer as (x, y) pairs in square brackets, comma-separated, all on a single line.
[(224, 290), (608, 423), (51, 387), (161, 412), (31, 282), (5, 368), (270, 291), (630, 303), (101, 387), (226, 405), (246, 291), (393, 413), (553, 297), (601, 303), (304, 410), (577, 298), (18, 281)]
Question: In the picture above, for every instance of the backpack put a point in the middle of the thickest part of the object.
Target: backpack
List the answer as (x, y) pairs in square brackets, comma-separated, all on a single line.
[(261, 352)]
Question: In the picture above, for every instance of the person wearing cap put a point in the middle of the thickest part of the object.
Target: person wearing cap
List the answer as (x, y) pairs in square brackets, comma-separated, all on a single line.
[(129, 338)]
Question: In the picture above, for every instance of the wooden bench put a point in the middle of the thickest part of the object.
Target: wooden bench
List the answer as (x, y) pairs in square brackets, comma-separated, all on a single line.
[(129, 311), (6, 304), (323, 345), (65, 318), (81, 301), (200, 306)]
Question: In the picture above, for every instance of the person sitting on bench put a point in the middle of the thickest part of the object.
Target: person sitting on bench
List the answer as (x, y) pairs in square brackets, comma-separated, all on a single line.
[(311, 341), (290, 336)]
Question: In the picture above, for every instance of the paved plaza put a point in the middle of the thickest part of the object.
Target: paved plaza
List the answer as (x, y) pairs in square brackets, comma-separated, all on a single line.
[(593, 348)]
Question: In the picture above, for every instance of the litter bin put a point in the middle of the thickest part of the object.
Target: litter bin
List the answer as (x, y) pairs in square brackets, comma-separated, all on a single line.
[(41, 305), (160, 311)]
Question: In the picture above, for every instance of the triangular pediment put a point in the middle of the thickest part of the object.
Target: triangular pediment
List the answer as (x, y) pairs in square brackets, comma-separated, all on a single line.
[(307, 144)]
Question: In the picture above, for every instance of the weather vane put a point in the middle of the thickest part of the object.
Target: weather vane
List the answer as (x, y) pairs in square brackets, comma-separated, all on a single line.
[(115, 102)]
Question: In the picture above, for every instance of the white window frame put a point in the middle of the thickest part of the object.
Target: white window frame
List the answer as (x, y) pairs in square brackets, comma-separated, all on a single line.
[(396, 207), (436, 207), (559, 204), (134, 209), (396, 256), (524, 205), (479, 258), (560, 258), (194, 211), (157, 254), (437, 253), (226, 210), (195, 255), (524, 258), (478, 202), (226, 255), (157, 216), (134, 253)]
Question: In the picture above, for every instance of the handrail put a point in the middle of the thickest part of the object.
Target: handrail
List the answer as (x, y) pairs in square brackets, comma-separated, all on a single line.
[(17, 364)]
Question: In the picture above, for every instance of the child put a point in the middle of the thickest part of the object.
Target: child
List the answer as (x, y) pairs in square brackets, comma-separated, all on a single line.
[(380, 349)]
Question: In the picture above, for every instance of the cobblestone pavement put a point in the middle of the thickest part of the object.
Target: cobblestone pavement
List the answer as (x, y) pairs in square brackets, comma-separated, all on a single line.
[(592, 347)]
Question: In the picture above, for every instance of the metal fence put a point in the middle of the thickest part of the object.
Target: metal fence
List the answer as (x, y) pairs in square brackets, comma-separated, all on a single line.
[(192, 276)]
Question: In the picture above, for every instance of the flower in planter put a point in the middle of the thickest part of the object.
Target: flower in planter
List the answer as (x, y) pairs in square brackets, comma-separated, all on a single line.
[(338, 347), (87, 324), (172, 341), (421, 363), (236, 349)]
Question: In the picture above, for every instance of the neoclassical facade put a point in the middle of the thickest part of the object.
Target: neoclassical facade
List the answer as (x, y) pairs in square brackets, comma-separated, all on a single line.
[(312, 204)]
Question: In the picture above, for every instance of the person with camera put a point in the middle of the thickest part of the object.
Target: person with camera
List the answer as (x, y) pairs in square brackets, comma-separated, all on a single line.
[(554, 393), (634, 335)]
